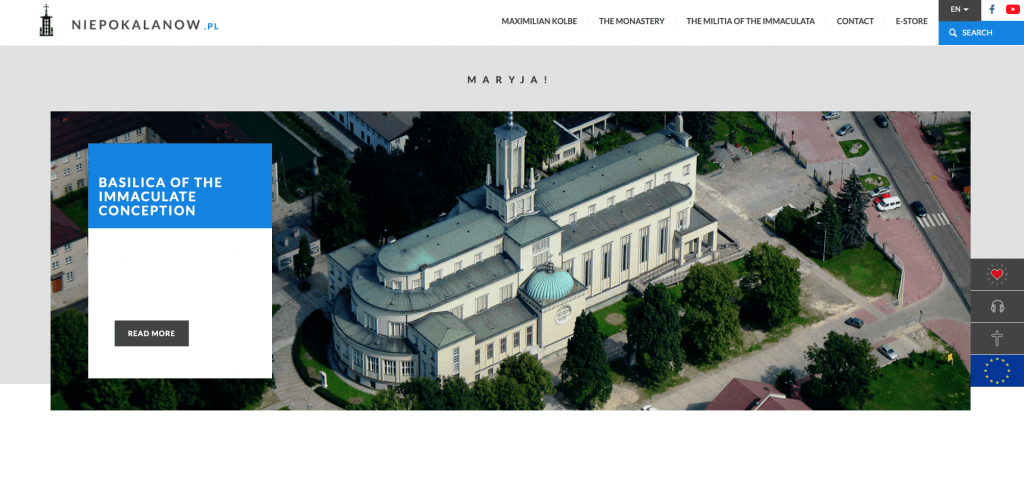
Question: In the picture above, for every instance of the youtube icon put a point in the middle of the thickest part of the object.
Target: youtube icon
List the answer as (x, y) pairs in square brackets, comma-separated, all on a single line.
[(1013, 9)]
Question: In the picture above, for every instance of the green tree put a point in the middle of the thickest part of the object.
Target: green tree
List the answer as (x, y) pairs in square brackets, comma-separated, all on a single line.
[(711, 318), (528, 372), (338, 220), (654, 336), (851, 204), (106, 395), (785, 380), (389, 400), (847, 369), (69, 348), (789, 222), (644, 121), (826, 235), (585, 371), (152, 394), (457, 394), (303, 262), (772, 284), (500, 393), (701, 125), (450, 149), (423, 393)]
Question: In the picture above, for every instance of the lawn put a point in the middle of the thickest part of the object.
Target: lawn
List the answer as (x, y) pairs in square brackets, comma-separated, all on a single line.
[(750, 131), (264, 130), (740, 265), (610, 140), (930, 383), (75, 206), (607, 330), (866, 270), (862, 148), (956, 136), (276, 308), (316, 338), (883, 181), (708, 167)]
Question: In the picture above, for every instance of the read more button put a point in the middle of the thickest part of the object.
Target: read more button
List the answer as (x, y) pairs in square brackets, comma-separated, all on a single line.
[(134, 333)]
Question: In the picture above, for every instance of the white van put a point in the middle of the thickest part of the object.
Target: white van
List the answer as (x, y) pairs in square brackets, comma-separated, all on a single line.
[(890, 203)]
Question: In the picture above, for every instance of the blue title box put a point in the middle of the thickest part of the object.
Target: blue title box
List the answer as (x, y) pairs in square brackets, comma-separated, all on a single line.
[(180, 186)]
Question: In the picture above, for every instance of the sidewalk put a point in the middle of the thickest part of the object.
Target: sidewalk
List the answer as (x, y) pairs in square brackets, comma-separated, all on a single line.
[(909, 129), (331, 132)]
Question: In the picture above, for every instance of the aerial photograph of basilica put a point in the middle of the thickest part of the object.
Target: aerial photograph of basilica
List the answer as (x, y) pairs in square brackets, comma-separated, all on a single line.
[(574, 260)]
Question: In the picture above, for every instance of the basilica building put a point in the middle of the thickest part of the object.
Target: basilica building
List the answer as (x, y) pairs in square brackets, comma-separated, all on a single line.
[(515, 261)]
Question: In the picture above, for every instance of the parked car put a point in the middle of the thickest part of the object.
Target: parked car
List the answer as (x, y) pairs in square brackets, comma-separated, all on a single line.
[(918, 209), (648, 408), (846, 129), (882, 121), (830, 115), (879, 191), (888, 352), (887, 202), (854, 321)]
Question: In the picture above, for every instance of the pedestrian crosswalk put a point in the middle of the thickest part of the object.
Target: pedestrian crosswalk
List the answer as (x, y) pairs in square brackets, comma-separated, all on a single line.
[(934, 220)]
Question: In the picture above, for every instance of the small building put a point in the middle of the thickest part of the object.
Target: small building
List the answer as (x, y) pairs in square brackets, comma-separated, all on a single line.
[(935, 137), (389, 130), (69, 257), (753, 395), (581, 123), (568, 148), (286, 246)]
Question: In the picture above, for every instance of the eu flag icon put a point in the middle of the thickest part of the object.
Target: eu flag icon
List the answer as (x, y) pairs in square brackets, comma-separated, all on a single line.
[(993, 370)]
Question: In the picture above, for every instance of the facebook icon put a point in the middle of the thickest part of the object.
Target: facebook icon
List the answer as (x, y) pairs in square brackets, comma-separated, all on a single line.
[(992, 9)]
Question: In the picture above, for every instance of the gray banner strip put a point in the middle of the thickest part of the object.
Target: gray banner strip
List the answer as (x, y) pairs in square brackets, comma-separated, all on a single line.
[(131, 333)]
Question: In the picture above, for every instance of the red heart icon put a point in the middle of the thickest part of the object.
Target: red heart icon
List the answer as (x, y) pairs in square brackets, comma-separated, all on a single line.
[(997, 273)]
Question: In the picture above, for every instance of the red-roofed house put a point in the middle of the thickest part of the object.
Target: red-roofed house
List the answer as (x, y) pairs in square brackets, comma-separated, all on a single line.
[(753, 395), (69, 256)]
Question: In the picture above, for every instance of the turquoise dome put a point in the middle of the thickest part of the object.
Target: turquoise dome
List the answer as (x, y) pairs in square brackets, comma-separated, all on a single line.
[(549, 285)]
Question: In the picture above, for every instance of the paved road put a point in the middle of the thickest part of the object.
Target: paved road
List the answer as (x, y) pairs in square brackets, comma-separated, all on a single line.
[(910, 184)]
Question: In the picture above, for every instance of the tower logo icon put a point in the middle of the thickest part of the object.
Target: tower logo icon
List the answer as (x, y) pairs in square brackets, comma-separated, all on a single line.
[(46, 30)]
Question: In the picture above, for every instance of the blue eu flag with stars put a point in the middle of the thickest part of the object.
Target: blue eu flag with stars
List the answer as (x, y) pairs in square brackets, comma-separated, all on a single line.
[(996, 370)]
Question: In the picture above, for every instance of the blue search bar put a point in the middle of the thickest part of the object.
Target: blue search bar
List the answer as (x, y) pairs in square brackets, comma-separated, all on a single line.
[(987, 33)]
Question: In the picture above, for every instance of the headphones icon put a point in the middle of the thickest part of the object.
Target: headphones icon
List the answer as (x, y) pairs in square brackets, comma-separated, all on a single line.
[(1001, 307)]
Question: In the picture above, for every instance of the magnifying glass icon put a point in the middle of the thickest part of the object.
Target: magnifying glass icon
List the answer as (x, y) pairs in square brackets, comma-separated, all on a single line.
[(952, 32)]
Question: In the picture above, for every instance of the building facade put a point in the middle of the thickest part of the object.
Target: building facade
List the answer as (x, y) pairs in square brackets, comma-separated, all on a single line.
[(286, 246), (69, 259), (516, 261), (378, 129)]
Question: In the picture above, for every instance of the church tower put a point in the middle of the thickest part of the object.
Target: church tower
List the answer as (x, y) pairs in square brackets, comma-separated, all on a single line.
[(511, 192)]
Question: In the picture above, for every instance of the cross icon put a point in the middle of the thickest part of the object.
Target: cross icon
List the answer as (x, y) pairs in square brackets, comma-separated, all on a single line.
[(997, 335)]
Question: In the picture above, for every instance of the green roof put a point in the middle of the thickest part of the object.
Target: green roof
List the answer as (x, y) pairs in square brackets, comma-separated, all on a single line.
[(440, 241), (468, 280), (353, 254), (530, 228), (647, 203), (499, 318), (610, 170), (441, 328)]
